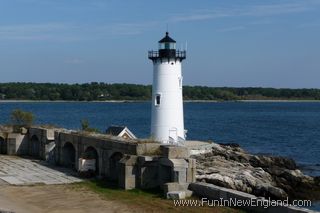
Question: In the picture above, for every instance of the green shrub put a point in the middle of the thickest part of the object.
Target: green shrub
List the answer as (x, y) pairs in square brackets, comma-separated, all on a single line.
[(85, 126), (21, 118)]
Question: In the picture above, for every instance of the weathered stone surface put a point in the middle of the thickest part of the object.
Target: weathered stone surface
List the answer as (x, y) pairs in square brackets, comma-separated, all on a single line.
[(17, 144), (191, 170), (150, 148), (146, 159), (174, 162), (197, 147), (128, 172), (23, 130), (267, 176), (177, 152), (212, 192), (176, 195), (174, 186), (189, 193), (149, 176), (19, 171)]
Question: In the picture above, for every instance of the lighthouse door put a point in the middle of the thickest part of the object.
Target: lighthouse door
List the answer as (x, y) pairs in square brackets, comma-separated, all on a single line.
[(173, 135)]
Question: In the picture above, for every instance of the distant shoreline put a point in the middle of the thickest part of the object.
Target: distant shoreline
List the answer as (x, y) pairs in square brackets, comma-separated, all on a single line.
[(137, 101), (284, 100), (64, 101), (122, 92), (253, 100)]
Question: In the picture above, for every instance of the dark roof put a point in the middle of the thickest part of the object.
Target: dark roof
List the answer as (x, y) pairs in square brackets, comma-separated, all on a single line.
[(115, 130), (167, 39)]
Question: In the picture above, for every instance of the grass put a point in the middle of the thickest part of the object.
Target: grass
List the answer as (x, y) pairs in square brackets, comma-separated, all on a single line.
[(146, 200)]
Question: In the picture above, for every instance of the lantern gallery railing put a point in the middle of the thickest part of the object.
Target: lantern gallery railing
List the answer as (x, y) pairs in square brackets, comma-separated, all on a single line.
[(164, 54)]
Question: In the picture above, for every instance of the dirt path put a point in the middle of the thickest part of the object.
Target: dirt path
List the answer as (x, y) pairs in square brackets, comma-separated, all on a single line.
[(55, 199)]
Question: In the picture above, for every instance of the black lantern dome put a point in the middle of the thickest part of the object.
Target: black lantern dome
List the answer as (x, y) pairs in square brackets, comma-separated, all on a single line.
[(167, 39), (167, 50)]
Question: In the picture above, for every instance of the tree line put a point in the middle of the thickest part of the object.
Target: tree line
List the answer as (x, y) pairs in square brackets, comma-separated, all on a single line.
[(95, 91)]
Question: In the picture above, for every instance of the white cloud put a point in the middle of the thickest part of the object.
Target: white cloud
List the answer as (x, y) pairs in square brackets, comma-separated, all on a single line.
[(254, 10), (60, 4), (198, 16), (311, 24), (49, 31), (65, 32), (123, 29), (230, 29)]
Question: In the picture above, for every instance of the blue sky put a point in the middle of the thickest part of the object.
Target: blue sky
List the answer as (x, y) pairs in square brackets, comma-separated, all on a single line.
[(230, 42)]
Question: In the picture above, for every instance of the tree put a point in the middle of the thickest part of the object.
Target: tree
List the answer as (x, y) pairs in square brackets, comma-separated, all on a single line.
[(21, 118), (103, 91), (85, 126)]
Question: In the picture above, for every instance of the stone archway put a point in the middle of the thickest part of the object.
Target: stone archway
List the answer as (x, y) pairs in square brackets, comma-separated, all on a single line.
[(3, 146), (35, 146), (92, 153), (68, 158), (114, 165)]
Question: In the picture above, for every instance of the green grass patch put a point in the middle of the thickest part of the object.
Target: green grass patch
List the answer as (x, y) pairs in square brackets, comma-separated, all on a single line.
[(151, 200), (111, 191)]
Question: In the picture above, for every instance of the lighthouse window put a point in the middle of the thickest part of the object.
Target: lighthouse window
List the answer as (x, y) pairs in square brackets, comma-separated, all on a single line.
[(167, 45), (158, 99), (180, 82), (161, 46)]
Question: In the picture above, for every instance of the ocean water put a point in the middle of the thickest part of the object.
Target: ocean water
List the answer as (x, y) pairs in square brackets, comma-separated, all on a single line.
[(289, 129)]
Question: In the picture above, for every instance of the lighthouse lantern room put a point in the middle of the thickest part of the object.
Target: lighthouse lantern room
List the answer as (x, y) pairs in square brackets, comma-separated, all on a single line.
[(167, 122)]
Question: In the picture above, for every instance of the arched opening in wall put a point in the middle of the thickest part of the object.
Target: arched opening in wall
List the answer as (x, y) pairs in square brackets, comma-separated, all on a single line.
[(35, 146), (3, 146), (68, 155), (114, 165), (92, 154)]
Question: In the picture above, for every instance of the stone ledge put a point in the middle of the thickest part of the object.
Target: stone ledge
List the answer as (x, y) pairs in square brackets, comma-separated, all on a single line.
[(213, 192), (176, 195), (174, 152)]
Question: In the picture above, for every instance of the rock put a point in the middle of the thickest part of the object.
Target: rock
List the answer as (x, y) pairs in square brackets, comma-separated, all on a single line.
[(189, 193), (176, 195), (317, 180), (265, 190), (269, 176), (174, 186), (267, 161), (233, 145)]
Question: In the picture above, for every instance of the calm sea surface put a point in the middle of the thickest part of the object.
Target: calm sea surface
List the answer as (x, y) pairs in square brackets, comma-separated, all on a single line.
[(279, 128), (289, 129)]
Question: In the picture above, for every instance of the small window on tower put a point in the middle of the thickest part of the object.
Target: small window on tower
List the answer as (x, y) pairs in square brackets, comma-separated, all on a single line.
[(180, 82), (158, 100)]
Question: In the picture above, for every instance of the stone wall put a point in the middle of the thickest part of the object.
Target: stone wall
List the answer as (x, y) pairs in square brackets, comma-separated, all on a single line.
[(17, 144), (132, 163), (154, 171), (41, 143)]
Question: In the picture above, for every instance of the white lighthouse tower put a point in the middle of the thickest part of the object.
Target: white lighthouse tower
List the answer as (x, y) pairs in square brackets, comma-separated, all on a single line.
[(167, 123)]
